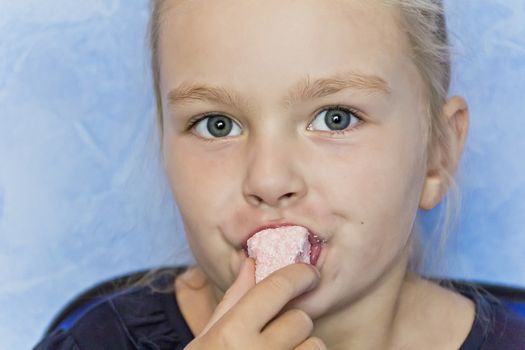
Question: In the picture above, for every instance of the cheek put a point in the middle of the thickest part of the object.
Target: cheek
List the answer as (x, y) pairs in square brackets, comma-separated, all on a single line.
[(202, 183), (375, 185)]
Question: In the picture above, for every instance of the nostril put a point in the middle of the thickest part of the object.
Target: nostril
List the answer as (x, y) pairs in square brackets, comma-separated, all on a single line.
[(287, 198), (255, 200)]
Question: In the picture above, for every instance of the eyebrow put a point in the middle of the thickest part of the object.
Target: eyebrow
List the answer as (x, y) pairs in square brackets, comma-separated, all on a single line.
[(304, 90)]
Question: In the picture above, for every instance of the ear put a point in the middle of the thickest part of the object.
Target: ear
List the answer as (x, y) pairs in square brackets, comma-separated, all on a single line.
[(446, 153)]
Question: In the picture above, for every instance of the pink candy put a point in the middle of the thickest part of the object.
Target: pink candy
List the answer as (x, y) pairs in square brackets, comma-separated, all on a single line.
[(275, 248)]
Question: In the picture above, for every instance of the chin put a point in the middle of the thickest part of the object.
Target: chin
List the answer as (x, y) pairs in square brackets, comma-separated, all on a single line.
[(315, 303)]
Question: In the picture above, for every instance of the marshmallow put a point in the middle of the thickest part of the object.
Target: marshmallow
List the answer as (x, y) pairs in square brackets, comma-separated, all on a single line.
[(275, 248)]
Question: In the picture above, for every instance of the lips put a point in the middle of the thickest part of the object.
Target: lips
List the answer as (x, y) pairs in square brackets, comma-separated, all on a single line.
[(316, 242), (316, 245)]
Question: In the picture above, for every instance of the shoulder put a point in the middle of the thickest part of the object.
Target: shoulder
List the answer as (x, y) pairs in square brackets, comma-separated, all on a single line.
[(496, 327), (136, 318), (506, 331)]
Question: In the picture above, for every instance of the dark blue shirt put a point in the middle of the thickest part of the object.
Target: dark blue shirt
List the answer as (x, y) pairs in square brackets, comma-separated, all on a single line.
[(141, 318)]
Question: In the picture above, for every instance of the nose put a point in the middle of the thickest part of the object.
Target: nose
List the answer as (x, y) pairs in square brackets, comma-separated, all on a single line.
[(273, 176)]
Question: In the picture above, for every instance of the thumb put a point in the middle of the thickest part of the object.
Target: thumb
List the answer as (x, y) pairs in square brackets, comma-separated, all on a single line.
[(244, 282)]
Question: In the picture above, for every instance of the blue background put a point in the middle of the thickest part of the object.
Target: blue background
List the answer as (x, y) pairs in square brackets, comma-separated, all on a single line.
[(82, 197)]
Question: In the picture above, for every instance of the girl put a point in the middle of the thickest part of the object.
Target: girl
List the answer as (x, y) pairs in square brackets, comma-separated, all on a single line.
[(332, 115)]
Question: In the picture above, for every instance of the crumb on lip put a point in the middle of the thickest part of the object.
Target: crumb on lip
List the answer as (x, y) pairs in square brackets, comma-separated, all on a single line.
[(315, 238)]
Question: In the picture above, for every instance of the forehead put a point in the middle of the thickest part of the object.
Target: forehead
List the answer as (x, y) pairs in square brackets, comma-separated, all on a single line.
[(267, 43)]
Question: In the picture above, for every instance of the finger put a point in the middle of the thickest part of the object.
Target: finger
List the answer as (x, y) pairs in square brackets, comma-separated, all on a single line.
[(267, 298), (312, 343), (244, 282), (289, 329)]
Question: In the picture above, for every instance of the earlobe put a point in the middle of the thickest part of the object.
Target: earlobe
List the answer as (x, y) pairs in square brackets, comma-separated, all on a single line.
[(431, 194)]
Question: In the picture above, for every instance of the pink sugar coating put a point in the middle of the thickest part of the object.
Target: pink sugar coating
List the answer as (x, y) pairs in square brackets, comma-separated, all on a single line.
[(275, 248)]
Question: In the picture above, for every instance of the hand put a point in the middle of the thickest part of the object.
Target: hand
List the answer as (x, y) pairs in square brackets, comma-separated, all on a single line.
[(248, 317)]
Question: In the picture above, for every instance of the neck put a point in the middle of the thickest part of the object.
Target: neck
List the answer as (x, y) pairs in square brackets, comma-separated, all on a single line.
[(369, 321), (400, 308)]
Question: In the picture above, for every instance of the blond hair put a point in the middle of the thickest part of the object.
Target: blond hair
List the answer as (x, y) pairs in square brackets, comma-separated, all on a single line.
[(423, 21)]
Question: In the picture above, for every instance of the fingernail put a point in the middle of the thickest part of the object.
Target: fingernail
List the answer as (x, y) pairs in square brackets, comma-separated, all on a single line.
[(246, 268), (320, 344)]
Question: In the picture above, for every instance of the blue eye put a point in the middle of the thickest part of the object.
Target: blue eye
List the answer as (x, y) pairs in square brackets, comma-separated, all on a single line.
[(335, 119), (216, 126)]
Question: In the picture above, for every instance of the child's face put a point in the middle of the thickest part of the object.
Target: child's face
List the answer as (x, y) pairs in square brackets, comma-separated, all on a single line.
[(278, 163)]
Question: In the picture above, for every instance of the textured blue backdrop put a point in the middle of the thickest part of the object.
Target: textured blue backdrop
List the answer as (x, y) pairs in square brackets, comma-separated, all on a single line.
[(81, 194)]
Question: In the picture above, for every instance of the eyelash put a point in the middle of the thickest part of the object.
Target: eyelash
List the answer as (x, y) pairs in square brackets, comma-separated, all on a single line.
[(193, 121), (350, 110)]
